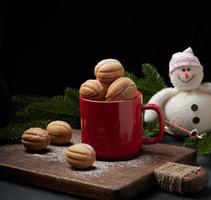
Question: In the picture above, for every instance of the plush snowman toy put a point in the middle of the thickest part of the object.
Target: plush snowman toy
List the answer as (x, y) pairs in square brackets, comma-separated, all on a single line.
[(188, 103)]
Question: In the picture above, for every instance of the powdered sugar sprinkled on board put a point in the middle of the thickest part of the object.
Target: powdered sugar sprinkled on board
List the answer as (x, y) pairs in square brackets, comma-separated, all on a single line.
[(55, 154), (99, 168)]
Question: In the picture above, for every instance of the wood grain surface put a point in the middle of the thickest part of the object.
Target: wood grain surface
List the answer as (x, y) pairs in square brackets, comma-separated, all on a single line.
[(105, 180)]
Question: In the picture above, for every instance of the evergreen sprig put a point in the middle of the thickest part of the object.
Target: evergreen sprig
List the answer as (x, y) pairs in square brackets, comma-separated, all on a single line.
[(150, 83), (58, 107), (38, 111), (12, 133), (203, 146), (27, 99)]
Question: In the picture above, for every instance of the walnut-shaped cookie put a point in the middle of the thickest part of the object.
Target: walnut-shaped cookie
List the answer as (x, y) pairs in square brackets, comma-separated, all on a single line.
[(92, 89), (80, 156), (60, 132), (108, 70), (35, 139), (121, 89)]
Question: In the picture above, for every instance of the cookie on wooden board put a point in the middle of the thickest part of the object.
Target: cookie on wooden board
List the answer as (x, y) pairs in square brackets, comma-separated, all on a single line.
[(60, 132), (35, 139), (81, 155)]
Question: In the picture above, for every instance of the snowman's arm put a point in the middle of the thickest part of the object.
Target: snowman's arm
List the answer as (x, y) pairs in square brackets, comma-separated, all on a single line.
[(205, 87), (159, 98)]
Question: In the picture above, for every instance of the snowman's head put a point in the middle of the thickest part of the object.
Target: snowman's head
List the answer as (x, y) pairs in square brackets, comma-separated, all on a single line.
[(187, 78), (185, 70)]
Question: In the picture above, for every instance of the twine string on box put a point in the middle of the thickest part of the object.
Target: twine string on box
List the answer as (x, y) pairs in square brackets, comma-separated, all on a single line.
[(170, 175)]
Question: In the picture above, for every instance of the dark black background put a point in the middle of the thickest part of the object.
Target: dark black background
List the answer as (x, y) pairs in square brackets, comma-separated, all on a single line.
[(48, 46)]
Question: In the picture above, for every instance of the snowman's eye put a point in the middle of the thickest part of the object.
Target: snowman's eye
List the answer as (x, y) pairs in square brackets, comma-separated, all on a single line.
[(188, 69), (183, 70)]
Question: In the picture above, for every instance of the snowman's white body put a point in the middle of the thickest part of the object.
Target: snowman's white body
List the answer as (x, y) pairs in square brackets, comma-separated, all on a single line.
[(188, 104), (190, 109)]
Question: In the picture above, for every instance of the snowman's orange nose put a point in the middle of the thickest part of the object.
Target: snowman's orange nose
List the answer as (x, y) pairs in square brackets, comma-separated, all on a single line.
[(186, 76)]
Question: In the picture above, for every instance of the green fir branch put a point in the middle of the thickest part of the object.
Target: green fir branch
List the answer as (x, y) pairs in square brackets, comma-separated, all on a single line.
[(191, 143), (27, 99), (12, 133), (152, 78), (133, 77), (72, 95), (34, 110), (151, 128), (151, 82), (202, 146)]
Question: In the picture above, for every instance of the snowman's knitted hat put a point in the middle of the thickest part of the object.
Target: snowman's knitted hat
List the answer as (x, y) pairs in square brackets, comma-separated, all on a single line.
[(184, 59)]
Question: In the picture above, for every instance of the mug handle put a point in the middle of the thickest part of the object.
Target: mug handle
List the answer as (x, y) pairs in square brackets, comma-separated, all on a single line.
[(160, 135)]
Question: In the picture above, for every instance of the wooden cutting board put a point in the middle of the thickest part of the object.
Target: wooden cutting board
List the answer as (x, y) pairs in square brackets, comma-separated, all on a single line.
[(106, 180)]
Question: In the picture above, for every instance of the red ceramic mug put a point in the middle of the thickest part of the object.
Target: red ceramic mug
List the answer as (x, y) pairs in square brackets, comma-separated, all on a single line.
[(115, 128)]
